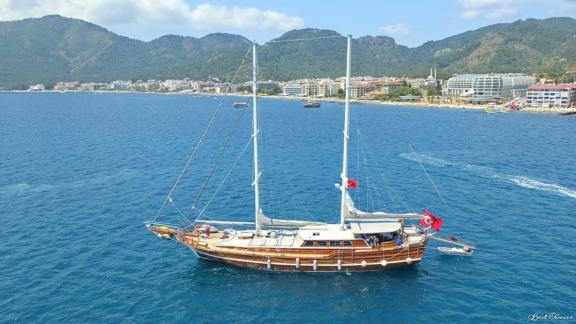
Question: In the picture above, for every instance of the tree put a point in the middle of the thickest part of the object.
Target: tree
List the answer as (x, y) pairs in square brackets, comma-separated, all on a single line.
[(269, 91), (404, 91), (432, 91), (381, 97)]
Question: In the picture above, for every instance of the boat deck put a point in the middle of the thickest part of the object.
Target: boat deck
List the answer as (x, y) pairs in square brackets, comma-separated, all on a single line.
[(283, 238)]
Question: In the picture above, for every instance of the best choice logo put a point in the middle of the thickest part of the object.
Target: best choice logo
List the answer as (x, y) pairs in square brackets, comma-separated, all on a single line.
[(550, 317)]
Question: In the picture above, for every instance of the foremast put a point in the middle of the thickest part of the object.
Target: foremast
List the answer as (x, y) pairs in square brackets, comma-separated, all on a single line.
[(255, 137), (344, 174)]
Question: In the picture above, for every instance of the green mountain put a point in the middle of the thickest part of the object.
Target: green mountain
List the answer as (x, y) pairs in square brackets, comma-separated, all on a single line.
[(530, 46), (53, 48)]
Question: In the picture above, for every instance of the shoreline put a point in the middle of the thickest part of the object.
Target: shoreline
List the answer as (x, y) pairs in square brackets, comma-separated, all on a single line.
[(336, 100)]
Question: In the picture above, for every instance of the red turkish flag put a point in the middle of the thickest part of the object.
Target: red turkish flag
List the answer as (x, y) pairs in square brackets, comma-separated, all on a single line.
[(352, 184), (432, 220), (425, 221)]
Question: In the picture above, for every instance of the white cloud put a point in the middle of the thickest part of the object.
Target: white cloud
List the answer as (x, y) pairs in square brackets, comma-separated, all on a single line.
[(490, 9), (153, 12), (499, 9), (396, 30)]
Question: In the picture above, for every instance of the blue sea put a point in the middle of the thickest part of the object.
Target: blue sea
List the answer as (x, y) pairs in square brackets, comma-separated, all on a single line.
[(80, 173)]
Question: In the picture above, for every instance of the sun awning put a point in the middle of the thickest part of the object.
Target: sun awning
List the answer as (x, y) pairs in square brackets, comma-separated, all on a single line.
[(373, 227)]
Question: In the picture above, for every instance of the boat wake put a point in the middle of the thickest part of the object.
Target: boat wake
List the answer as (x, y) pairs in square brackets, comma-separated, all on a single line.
[(24, 187), (539, 185), (426, 159), (98, 179), (487, 172)]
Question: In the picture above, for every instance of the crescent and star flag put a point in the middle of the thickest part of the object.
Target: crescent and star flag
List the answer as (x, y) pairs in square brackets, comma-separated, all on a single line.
[(352, 184), (431, 220)]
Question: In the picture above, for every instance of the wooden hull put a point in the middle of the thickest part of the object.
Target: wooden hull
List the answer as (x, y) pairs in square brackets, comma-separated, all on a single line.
[(384, 256)]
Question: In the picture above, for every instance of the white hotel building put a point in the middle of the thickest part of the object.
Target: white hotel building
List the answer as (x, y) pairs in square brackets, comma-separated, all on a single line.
[(551, 96), (488, 87)]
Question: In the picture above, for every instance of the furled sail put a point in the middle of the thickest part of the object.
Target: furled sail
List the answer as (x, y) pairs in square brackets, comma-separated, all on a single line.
[(354, 213), (266, 221)]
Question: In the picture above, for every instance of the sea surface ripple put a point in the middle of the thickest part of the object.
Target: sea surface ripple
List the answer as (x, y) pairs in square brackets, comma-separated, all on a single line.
[(80, 173)]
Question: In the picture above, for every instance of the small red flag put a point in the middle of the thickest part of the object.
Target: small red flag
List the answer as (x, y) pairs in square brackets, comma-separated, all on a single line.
[(352, 184), (432, 220), (437, 224), (425, 221)]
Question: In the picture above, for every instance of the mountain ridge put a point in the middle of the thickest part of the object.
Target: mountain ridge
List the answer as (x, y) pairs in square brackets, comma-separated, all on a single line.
[(54, 48)]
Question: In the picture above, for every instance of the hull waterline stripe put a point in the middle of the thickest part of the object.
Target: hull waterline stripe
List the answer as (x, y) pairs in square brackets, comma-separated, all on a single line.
[(208, 255)]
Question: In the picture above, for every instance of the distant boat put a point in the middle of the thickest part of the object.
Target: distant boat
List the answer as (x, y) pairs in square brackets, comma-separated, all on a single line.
[(492, 109), (465, 251), (311, 104), (240, 105)]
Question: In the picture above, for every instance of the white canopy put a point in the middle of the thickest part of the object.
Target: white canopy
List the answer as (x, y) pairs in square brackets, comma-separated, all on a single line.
[(374, 227)]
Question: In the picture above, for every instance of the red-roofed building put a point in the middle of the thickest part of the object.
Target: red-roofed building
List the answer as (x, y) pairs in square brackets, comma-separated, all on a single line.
[(551, 95)]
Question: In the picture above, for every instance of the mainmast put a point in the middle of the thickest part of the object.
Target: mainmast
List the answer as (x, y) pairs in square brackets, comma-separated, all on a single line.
[(255, 136), (344, 174)]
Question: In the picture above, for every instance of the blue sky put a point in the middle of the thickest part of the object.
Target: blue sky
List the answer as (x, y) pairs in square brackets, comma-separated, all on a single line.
[(409, 22)]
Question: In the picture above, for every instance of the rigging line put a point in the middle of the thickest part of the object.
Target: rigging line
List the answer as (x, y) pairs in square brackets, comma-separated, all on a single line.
[(394, 198), (178, 210), (370, 205), (302, 39), (362, 152), (217, 161), (198, 144), (224, 179), (428, 176)]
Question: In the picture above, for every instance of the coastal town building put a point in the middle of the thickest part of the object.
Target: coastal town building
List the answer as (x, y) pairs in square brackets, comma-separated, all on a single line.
[(93, 86), (419, 83), (482, 88), (409, 98), (67, 85), (310, 89), (460, 85), (360, 89), (292, 89), (121, 85), (37, 87), (331, 87), (177, 85), (460, 89), (390, 86), (151, 85), (551, 96), (210, 87)]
